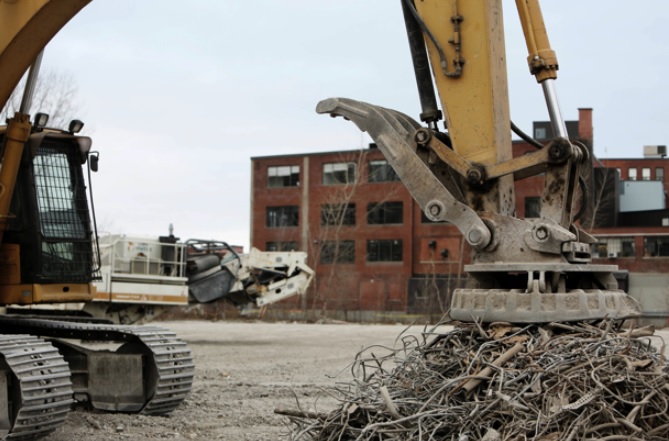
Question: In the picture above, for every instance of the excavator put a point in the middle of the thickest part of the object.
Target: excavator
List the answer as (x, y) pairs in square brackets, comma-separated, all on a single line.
[(50, 254), (535, 270), (523, 270)]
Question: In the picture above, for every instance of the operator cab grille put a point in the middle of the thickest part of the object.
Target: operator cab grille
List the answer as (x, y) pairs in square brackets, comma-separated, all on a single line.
[(64, 219)]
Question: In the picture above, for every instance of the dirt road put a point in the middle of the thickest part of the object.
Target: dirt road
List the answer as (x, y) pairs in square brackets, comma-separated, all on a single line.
[(244, 371)]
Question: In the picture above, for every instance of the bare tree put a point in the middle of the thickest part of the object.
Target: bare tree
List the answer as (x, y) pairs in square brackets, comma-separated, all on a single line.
[(333, 218), (604, 197), (55, 94), (328, 244)]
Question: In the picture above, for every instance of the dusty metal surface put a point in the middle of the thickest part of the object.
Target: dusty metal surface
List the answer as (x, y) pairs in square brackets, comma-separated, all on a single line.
[(494, 305)]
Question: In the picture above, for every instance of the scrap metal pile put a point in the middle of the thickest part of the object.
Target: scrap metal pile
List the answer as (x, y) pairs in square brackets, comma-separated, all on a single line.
[(554, 382)]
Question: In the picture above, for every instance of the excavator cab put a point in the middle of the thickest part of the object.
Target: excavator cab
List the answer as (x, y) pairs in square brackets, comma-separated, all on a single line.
[(50, 240)]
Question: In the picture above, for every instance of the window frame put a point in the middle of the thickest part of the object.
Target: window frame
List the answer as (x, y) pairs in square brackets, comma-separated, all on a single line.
[(349, 169), (345, 214), (291, 179), (623, 247), (656, 246), (393, 252), (382, 213), (281, 213), (379, 170), (659, 174)]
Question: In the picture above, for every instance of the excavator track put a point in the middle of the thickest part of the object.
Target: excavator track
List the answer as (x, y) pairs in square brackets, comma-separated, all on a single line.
[(174, 364), (37, 381), (162, 362)]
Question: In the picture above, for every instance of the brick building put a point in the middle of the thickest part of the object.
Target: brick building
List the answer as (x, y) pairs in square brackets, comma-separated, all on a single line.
[(378, 257), (365, 235)]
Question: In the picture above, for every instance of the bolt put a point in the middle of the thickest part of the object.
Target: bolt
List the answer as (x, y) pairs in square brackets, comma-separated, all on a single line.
[(434, 209), (542, 233), (422, 136), (555, 152), (560, 150), (475, 236), (474, 176)]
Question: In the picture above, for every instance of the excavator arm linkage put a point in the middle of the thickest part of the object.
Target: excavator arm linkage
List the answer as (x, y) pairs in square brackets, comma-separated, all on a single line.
[(523, 270)]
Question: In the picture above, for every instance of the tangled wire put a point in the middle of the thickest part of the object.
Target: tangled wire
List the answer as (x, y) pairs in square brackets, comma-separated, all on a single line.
[(555, 382)]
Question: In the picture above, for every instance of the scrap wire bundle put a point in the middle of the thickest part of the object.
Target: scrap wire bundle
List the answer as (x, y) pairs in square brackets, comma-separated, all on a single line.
[(546, 383)]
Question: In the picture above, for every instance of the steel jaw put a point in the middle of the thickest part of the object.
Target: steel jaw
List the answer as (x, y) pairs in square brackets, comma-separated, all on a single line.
[(393, 133)]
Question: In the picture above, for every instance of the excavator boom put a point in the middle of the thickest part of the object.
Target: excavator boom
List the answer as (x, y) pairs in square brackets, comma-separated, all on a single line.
[(465, 44), (26, 26)]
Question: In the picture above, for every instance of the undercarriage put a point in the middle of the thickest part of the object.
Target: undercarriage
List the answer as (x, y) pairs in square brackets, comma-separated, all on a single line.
[(149, 371)]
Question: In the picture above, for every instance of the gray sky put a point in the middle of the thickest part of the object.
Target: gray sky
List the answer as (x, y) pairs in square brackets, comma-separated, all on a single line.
[(179, 95)]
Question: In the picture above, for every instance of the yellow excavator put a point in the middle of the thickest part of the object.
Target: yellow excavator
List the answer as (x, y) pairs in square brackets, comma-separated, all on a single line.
[(47, 255), (523, 270)]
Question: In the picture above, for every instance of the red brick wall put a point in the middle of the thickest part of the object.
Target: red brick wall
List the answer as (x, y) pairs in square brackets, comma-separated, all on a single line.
[(360, 285)]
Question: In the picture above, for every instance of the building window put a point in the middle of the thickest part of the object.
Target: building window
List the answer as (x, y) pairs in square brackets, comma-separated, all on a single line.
[(381, 171), (286, 216), (532, 207), (283, 176), (338, 214), (338, 251), (631, 174), (540, 133), (620, 173), (659, 174), (656, 246), (389, 250), (339, 173), (645, 174), (281, 246), (613, 247), (385, 212)]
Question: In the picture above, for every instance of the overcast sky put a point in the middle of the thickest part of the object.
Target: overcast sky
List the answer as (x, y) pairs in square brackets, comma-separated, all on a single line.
[(178, 96)]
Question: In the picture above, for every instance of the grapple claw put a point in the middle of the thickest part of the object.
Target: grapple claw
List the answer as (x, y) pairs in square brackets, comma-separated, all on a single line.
[(393, 132)]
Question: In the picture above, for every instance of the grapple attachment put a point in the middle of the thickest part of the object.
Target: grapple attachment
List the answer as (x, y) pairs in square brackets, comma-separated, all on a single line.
[(524, 270)]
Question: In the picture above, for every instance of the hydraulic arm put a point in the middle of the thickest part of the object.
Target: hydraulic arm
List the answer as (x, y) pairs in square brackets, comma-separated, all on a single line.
[(523, 270)]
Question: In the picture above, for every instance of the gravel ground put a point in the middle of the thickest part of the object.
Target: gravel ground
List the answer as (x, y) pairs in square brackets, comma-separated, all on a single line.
[(244, 371)]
